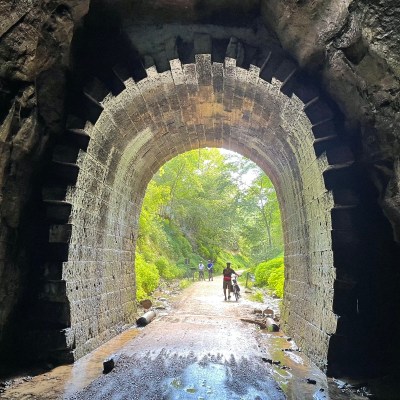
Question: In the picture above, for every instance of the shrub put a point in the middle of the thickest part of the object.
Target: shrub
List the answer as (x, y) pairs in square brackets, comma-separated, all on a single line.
[(140, 293), (147, 277), (178, 244), (144, 248), (257, 296), (276, 280), (169, 271), (163, 267), (264, 270), (184, 284)]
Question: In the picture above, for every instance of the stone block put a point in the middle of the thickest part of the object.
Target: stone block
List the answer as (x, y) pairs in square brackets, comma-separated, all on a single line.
[(202, 44), (203, 69), (270, 66), (345, 298), (53, 314), (340, 176), (60, 233), (285, 70)]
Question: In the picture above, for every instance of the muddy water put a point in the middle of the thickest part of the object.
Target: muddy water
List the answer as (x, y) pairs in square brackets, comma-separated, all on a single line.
[(298, 377), (63, 381)]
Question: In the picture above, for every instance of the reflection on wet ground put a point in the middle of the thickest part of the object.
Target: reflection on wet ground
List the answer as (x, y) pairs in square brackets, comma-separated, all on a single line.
[(199, 349), (290, 368), (296, 375), (176, 377), (213, 382)]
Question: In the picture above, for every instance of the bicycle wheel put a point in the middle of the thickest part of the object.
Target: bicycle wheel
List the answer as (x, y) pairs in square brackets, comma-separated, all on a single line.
[(236, 293)]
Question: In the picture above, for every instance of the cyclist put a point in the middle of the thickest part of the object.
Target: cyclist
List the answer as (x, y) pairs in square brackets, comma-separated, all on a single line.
[(210, 269), (227, 279), (201, 271)]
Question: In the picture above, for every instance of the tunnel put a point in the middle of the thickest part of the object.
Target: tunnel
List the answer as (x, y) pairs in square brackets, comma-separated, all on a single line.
[(126, 103)]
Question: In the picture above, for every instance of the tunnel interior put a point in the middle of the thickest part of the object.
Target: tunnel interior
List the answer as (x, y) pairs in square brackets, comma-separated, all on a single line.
[(142, 90)]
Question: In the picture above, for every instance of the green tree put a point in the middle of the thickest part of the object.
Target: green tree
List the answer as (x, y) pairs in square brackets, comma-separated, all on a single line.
[(208, 204)]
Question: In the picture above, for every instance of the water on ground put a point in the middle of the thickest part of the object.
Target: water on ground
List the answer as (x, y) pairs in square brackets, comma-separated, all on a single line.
[(198, 347)]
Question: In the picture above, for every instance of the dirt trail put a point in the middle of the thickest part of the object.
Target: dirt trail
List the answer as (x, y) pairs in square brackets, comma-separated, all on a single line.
[(201, 350), (197, 349)]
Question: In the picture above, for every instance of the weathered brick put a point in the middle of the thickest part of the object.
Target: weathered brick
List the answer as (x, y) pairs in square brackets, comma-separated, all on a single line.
[(189, 107)]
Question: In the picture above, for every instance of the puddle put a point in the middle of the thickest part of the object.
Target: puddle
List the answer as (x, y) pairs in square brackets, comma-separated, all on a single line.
[(291, 369), (213, 381)]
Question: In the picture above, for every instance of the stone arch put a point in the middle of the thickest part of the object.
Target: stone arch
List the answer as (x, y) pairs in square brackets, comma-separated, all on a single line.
[(101, 170)]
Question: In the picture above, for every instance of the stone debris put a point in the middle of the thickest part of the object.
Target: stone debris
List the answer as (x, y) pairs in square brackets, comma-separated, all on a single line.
[(146, 304), (268, 312), (261, 324), (109, 363), (267, 360)]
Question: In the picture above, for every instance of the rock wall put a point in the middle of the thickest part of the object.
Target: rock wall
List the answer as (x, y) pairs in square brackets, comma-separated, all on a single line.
[(34, 55), (352, 46)]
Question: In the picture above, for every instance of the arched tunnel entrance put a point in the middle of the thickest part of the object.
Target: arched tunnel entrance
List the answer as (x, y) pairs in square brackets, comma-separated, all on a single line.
[(192, 106), (211, 91)]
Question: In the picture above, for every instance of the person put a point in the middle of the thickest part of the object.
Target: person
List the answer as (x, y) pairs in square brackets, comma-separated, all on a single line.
[(210, 269), (227, 279), (201, 271)]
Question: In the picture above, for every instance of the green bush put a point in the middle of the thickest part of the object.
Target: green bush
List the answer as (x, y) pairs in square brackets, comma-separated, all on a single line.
[(276, 280), (178, 245), (169, 271), (144, 248), (147, 277), (184, 284), (257, 296), (264, 270), (140, 293), (164, 268)]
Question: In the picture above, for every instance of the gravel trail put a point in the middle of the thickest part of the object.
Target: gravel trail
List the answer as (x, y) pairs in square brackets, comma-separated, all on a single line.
[(198, 350)]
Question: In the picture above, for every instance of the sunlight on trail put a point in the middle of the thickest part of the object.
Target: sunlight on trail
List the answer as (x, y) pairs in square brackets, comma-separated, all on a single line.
[(211, 381)]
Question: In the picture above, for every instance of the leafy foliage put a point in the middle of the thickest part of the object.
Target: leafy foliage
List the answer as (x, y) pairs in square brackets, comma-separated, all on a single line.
[(264, 270), (276, 280), (258, 297), (147, 277), (271, 274), (206, 204)]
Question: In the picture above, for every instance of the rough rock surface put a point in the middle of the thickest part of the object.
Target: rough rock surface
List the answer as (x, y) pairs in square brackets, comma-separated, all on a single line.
[(34, 53), (352, 46)]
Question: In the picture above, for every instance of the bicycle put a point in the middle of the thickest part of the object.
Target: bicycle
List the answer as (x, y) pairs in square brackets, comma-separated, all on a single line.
[(236, 288)]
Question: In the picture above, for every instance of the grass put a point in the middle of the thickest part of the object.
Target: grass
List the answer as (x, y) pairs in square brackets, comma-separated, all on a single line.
[(183, 284), (257, 296)]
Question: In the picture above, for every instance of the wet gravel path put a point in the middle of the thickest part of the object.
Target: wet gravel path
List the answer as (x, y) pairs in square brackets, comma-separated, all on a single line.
[(198, 350)]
